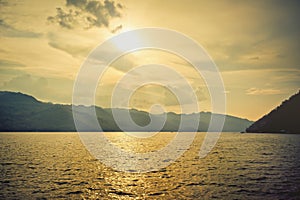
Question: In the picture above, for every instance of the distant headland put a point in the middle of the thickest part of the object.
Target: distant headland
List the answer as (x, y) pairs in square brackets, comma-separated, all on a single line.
[(283, 119)]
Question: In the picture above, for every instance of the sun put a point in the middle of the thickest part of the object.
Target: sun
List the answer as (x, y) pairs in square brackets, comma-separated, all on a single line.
[(127, 41)]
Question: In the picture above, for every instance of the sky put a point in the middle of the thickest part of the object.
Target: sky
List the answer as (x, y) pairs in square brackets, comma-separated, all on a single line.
[(254, 44)]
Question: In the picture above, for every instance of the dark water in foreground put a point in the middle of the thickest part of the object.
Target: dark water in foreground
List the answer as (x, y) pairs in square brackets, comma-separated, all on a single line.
[(241, 166)]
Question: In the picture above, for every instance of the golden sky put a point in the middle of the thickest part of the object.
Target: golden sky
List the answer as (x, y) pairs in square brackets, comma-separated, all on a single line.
[(255, 45)]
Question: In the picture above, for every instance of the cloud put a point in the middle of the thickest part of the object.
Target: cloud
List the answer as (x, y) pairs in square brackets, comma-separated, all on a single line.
[(7, 30), (26, 83), (77, 44), (46, 89), (70, 49), (252, 34), (201, 94), (254, 58), (257, 91), (86, 14), (9, 63)]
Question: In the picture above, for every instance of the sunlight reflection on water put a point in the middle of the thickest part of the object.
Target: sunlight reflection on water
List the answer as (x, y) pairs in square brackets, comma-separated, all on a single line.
[(241, 166)]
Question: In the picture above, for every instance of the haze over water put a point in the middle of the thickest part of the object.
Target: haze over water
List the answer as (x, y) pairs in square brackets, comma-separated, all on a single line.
[(241, 166)]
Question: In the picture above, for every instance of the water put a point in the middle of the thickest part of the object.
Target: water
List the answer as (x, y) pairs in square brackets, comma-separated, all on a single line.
[(241, 166)]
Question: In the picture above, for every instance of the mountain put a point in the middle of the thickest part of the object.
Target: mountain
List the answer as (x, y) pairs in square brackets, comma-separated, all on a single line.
[(283, 119), (21, 112)]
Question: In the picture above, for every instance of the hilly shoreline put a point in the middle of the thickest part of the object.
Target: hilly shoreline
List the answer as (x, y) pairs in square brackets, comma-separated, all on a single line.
[(22, 113)]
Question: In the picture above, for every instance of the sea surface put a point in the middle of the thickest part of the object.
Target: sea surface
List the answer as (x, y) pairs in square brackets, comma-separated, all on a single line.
[(240, 166)]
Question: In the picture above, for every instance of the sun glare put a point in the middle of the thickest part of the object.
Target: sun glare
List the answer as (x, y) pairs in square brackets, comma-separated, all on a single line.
[(127, 43)]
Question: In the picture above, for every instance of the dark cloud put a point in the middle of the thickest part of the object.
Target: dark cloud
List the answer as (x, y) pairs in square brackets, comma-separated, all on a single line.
[(116, 29), (7, 30), (3, 3), (86, 14), (77, 3)]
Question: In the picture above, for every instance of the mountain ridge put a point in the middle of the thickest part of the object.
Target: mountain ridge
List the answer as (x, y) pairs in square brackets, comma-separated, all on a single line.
[(22, 112)]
